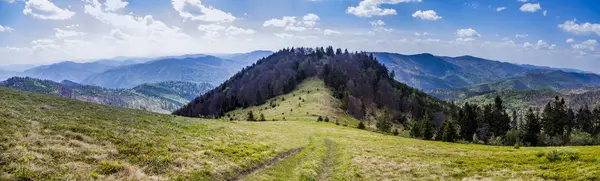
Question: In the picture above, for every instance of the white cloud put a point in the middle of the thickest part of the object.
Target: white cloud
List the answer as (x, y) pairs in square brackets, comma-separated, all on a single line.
[(570, 40), (467, 33), (377, 23), (527, 45), (113, 5), (378, 26), (44, 9), (5, 29), (465, 39), (42, 41), (545, 12), (426, 15), (523, 1), (329, 32), (195, 10), (420, 34), (590, 45), (290, 23), (529, 7), (292, 37), (521, 35), (500, 9), (213, 31), (60, 33), (370, 8), (72, 26), (580, 29)]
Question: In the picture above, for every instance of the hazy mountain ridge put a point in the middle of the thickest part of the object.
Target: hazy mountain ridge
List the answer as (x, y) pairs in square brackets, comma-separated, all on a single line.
[(162, 97), (66, 71), (201, 69)]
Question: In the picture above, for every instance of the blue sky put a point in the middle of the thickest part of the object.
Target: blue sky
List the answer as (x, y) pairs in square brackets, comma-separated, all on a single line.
[(541, 32)]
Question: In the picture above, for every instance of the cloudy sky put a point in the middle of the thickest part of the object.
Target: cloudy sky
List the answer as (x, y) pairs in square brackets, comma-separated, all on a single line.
[(541, 32)]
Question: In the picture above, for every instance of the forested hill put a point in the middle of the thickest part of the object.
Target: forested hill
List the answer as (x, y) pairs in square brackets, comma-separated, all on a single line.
[(365, 86), (161, 97)]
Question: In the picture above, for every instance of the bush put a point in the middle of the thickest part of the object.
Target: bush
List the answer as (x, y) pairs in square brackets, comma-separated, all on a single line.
[(562, 155), (579, 138), (319, 119), (326, 119), (107, 168), (395, 132), (361, 125)]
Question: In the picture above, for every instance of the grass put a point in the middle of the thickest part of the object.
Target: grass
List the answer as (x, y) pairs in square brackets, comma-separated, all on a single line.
[(310, 100), (48, 138)]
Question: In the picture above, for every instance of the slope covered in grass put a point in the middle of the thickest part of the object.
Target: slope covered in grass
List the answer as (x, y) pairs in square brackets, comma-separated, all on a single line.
[(46, 138), (307, 102)]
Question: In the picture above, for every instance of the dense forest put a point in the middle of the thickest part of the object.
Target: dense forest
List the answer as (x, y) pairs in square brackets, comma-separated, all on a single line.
[(366, 87), (556, 125)]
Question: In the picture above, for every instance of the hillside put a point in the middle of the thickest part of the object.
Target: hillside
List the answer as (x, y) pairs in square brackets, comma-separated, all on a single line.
[(363, 85), (161, 97), (66, 71), (50, 138), (523, 99), (199, 69), (537, 80)]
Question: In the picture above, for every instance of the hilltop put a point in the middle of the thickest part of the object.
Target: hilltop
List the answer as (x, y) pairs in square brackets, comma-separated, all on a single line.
[(364, 87)]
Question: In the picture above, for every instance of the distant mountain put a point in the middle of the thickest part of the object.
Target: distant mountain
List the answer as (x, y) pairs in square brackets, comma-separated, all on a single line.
[(73, 71), (162, 97), (552, 68), (5, 74), (16, 67), (247, 58), (541, 79), (429, 72), (200, 69)]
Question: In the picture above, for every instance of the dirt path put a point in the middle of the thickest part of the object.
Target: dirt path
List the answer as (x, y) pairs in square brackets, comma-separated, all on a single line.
[(271, 162), (329, 161)]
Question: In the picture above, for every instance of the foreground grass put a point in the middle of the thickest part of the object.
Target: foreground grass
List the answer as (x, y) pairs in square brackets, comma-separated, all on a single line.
[(47, 138)]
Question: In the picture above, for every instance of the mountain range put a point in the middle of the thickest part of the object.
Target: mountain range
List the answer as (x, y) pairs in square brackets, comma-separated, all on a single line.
[(162, 97)]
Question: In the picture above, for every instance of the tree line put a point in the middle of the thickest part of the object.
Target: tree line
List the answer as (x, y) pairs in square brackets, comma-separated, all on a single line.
[(555, 125)]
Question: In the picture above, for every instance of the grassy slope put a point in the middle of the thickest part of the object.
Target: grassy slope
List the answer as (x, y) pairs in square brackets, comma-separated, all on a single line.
[(46, 138), (310, 100)]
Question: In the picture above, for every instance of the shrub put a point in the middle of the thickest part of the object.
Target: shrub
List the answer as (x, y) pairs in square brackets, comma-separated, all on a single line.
[(262, 117), (516, 146), (579, 138), (107, 168), (361, 125), (319, 119), (326, 119), (395, 132), (562, 155), (251, 116)]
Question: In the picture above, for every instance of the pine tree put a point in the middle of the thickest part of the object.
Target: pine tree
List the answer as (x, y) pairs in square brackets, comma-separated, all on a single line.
[(262, 117), (449, 132), (415, 129), (532, 128), (384, 125), (428, 127), (326, 119), (361, 125), (251, 116), (319, 119)]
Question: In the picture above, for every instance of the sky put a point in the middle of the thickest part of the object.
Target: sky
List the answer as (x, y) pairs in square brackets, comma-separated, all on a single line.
[(541, 32)]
